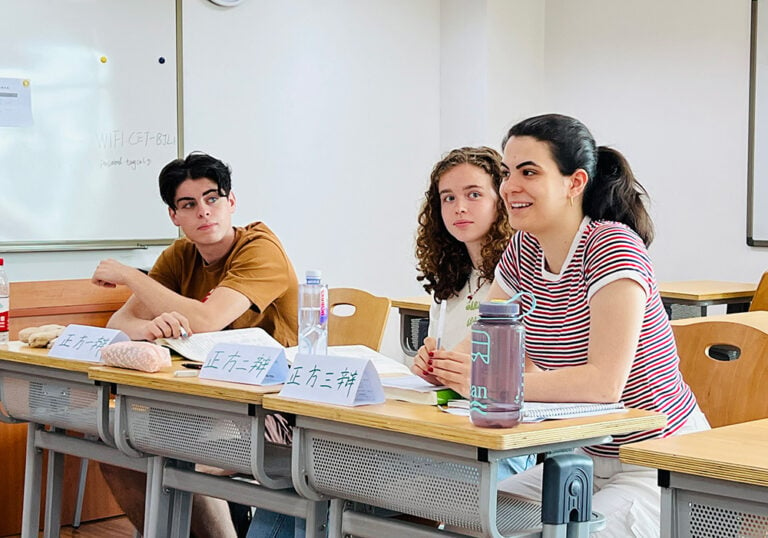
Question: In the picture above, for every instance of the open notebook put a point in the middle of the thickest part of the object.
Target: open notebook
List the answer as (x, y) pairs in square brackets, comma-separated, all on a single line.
[(197, 346)]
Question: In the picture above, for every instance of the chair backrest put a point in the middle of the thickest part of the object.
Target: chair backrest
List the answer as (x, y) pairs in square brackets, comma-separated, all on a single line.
[(364, 326), (760, 300), (728, 391)]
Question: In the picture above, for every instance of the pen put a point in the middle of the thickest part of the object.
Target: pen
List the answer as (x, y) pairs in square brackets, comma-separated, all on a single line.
[(184, 333), (441, 323)]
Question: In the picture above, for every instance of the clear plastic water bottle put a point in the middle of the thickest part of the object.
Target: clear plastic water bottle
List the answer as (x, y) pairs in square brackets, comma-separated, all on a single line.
[(5, 303), (313, 315), (498, 361)]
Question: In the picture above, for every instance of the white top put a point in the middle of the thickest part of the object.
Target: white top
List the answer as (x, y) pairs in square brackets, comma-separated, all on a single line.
[(461, 311)]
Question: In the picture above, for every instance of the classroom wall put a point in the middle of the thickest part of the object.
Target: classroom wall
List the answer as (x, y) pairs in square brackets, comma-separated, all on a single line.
[(668, 84), (332, 113), (328, 113), (665, 82)]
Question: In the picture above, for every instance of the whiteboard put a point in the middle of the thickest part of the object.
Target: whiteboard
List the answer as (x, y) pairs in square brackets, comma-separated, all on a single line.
[(101, 79), (757, 199)]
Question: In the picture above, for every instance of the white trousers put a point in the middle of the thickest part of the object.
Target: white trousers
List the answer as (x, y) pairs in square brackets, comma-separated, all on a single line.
[(627, 495)]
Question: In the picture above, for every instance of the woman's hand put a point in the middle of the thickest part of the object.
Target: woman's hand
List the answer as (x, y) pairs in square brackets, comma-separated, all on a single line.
[(442, 367), (453, 369), (422, 362)]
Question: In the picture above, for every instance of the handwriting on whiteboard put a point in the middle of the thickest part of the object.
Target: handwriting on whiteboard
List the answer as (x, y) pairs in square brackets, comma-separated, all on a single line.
[(119, 138)]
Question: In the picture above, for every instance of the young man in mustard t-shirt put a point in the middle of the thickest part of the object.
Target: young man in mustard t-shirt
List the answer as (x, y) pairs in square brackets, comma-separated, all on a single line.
[(215, 277)]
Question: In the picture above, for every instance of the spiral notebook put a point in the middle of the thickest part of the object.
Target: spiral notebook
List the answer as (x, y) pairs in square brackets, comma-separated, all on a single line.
[(538, 411), (533, 411)]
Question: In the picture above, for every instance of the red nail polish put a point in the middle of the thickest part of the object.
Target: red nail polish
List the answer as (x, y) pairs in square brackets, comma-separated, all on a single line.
[(431, 353), (429, 362), (430, 368)]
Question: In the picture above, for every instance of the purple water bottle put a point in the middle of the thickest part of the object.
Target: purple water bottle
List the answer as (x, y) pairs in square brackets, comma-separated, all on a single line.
[(498, 361)]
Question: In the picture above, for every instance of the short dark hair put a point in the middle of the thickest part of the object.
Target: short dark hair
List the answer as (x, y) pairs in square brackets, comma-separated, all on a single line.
[(197, 165), (612, 192)]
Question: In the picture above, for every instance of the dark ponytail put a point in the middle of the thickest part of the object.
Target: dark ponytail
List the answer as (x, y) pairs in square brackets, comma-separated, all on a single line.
[(612, 192)]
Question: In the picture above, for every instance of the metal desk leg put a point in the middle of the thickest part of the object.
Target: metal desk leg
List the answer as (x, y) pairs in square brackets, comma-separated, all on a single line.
[(335, 515), (157, 506), (668, 520), (83, 476), (181, 505), (316, 524), (181, 514), (33, 473), (53, 494)]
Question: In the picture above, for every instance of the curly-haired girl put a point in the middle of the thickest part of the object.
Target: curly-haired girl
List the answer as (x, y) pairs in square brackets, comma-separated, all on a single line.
[(463, 230)]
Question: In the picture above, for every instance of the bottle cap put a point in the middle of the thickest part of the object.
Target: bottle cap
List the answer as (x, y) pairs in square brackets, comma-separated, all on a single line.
[(500, 309), (1, 262), (313, 276)]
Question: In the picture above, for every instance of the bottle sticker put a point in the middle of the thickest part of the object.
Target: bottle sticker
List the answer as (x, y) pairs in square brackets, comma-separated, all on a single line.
[(4, 314), (323, 304)]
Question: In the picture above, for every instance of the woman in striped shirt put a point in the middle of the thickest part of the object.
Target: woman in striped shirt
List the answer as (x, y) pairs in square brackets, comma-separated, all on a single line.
[(598, 332)]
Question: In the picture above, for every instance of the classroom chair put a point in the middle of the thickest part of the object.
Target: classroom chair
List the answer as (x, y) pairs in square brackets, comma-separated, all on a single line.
[(760, 300), (366, 323), (724, 359)]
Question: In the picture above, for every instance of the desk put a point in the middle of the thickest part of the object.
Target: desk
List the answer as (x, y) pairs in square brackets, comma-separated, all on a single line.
[(714, 483), (703, 293), (46, 391), (411, 309), (187, 420), (425, 462)]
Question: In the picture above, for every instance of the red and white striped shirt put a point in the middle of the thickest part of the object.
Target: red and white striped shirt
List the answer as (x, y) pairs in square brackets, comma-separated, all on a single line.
[(557, 330)]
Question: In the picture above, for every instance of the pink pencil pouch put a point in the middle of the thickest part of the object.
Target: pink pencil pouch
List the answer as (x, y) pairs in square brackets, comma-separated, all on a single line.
[(142, 356)]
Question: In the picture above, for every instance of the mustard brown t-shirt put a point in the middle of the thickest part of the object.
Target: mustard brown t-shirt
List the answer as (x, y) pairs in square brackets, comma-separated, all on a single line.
[(256, 266)]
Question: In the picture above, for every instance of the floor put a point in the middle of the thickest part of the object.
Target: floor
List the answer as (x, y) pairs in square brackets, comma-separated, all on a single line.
[(116, 527)]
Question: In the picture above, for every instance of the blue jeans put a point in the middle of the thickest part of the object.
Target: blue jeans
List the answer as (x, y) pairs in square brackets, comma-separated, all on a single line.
[(266, 524), (515, 465)]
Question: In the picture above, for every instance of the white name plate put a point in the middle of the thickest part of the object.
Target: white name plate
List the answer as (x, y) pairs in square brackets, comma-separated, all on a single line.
[(332, 379), (84, 343), (244, 363)]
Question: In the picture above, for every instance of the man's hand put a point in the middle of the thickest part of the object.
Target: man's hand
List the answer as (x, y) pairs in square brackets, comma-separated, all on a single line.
[(109, 273), (166, 325)]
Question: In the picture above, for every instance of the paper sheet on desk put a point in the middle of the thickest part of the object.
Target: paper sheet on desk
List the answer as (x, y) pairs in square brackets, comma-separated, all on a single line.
[(383, 364), (411, 382)]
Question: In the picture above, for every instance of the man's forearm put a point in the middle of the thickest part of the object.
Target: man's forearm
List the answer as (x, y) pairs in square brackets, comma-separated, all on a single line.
[(157, 299), (127, 321)]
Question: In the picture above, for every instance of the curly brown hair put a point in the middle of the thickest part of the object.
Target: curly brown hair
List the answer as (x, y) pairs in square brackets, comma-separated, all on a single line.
[(443, 260)]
